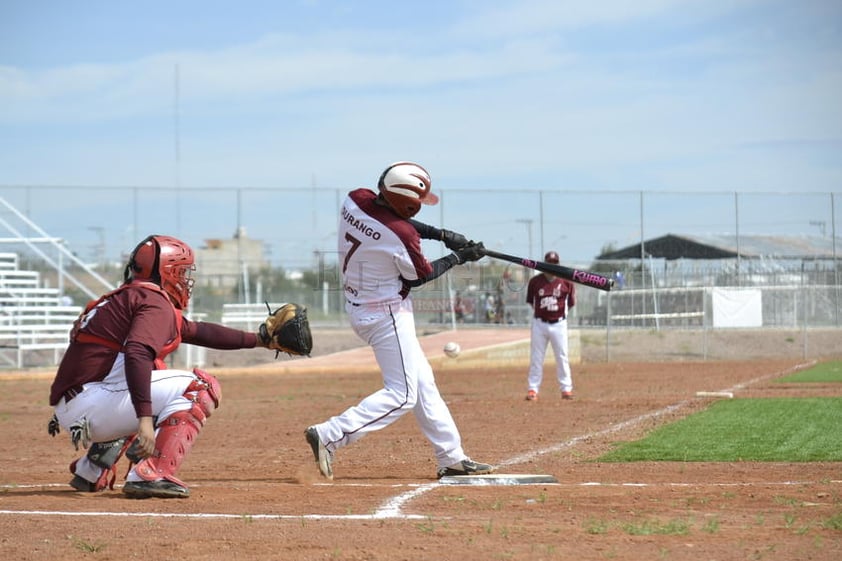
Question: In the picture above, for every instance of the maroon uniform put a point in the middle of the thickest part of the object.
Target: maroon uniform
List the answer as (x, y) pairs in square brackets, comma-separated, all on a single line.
[(113, 388), (551, 299), (381, 261), (140, 316), (548, 297)]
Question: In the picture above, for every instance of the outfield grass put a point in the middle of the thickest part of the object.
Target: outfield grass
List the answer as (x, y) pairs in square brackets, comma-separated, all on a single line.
[(770, 430), (826, 372)]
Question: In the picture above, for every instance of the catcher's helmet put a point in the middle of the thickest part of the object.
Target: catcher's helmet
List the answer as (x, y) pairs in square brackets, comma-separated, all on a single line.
[(551, 257), (166, 261), (406, 186)]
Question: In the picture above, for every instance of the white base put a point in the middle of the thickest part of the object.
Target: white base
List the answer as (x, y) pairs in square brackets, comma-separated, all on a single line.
[(498, 479), (727, 395)]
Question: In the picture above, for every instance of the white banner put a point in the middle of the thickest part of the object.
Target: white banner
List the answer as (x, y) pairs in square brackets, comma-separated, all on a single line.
[(737, 307)]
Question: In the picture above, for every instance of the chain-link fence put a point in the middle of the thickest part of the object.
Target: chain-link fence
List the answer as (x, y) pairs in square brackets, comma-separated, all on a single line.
[(297, 229), (296, 225)]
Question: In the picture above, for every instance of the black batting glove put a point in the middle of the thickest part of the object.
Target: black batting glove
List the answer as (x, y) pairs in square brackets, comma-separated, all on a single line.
[(453, 240), (53, 426), (474, 251)]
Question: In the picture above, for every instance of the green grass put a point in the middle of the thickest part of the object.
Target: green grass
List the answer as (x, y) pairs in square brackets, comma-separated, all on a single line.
[(826, 372), (86, 546), (655, 527), (767, 430)]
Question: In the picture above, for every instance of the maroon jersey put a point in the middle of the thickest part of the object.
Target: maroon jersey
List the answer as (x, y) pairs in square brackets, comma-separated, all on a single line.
[(548, 296), (379, 251), (142, 323)]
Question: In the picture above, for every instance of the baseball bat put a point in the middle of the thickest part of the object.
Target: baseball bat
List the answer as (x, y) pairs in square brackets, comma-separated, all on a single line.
[(578, 276)]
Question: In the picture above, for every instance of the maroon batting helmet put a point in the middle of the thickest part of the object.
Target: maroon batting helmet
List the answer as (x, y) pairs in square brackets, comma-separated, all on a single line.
[(406, 186)]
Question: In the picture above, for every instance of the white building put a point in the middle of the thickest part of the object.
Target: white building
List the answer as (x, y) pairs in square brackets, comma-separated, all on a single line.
[(222, 263)]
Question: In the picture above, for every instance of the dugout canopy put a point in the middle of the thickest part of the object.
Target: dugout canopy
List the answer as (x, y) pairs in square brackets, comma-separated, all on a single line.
[(674, 246)]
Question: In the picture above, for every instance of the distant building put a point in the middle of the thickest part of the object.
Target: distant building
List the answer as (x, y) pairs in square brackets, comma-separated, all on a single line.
[(221, 262)]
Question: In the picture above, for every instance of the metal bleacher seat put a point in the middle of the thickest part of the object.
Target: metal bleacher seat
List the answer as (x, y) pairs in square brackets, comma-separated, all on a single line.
[(244, 316), (32, 318)]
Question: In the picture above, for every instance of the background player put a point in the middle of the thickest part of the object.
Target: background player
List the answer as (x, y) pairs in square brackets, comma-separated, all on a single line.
[(381, 260), (112, 382), (551, 298)]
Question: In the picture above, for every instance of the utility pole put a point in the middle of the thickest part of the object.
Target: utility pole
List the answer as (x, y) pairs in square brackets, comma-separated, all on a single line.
[(528, 222)]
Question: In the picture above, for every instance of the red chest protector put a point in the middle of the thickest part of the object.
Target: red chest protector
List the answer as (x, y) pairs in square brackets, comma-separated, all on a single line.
[(77, 335)]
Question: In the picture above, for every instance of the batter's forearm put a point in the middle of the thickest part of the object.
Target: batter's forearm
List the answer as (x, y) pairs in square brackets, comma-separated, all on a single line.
[(440, 267), (454, 241), (426, 231)]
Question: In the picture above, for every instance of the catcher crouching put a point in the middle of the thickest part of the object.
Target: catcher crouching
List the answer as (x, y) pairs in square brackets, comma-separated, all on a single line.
[(113, 392)]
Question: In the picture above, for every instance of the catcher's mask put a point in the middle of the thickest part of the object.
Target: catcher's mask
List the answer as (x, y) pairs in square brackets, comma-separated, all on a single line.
[(406, 186), (166, 261)]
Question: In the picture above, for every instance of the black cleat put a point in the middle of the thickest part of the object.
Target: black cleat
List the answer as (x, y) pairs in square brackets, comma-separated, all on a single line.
[(161, 489), (320, 453), (465, 467), (81, 484)]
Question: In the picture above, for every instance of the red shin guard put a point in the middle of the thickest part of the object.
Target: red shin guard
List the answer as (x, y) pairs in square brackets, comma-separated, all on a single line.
[(177, 432), (174, 441)]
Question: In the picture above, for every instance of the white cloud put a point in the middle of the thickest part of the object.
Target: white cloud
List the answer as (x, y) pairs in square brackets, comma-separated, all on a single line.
[(511, 89), (276, 67), (527, 17)]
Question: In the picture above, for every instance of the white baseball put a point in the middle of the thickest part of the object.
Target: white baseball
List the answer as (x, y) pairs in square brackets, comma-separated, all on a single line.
[(452, 349)]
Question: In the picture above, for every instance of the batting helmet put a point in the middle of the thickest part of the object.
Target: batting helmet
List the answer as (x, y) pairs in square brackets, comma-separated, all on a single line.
[(406, 186), (551, 257), (167, 262)]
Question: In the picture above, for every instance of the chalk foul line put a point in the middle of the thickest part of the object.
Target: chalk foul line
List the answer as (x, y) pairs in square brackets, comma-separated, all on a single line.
[(392, 508)]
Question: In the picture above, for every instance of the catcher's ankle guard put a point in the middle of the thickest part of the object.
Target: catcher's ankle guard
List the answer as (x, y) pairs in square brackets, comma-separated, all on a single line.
[(106, 454), (103, 455)]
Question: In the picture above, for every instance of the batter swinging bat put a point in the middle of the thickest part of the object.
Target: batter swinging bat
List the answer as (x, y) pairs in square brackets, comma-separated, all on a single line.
[(580, 277)]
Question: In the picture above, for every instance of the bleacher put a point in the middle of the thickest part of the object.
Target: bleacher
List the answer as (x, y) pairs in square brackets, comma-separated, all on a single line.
[(34, 321), (245, 316)]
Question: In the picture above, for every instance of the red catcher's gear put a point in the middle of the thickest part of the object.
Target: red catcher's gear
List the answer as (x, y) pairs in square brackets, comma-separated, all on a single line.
[(406, 186), (177, 432), (167, 262), (79, 335)]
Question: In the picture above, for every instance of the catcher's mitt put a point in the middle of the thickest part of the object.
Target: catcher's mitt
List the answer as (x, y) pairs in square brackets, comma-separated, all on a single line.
[(287, 330)]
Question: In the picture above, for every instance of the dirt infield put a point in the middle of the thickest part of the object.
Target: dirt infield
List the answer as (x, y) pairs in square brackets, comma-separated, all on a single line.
[(256, 493)]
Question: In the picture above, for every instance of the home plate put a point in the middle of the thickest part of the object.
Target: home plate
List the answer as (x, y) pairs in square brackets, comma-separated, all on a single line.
[(497, 479)]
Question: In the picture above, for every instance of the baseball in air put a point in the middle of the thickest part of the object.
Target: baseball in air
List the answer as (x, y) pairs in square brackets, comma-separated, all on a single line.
[(452, 349)]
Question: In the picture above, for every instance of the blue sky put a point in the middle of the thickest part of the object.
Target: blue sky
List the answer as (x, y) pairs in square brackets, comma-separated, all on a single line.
[(663, 95), (645, 94)]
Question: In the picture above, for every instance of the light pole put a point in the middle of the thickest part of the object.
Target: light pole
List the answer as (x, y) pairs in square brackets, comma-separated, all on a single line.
[(528, 222), (821, 224)]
